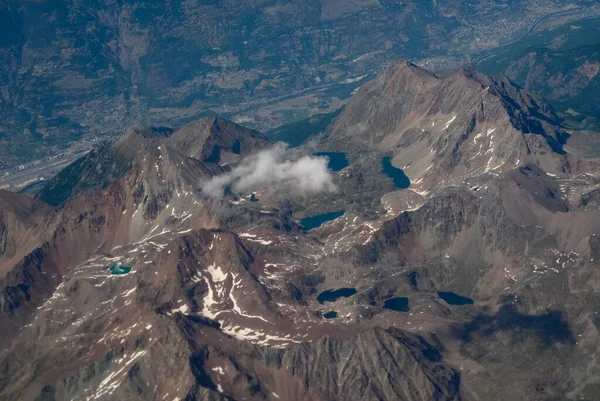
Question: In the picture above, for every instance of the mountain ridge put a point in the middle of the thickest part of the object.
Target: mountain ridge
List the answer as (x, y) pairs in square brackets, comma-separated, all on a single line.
[(141, 287), (203, 140)]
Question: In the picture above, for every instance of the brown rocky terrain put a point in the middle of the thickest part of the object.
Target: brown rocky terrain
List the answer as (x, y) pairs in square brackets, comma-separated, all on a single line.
[(226, 298)]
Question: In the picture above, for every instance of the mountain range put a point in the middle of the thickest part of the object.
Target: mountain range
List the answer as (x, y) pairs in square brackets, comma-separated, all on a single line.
[(455, 257)]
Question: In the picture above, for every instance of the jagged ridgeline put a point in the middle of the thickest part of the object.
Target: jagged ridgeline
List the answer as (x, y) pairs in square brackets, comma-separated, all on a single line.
[(454, 257), (210, 140)]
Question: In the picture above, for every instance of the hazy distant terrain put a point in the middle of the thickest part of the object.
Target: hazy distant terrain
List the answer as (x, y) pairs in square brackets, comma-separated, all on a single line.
[(562, 64), (75, 71)]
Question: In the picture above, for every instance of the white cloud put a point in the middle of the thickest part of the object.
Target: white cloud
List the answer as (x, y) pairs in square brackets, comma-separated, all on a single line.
[(269, 169)]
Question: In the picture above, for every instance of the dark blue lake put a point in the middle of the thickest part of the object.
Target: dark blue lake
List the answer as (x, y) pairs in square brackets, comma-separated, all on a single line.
[(454, 299), (316, 221), (330, 315), (337, 160), (401, 181), (398, 304), (334, 295), (253, 198), (119, 269)]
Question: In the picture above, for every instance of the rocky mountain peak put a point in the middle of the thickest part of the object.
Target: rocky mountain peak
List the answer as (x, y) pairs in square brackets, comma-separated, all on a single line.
[(405, 71), (384, 103), (465, 125), (208, 141), (151, 132), (212, 139)]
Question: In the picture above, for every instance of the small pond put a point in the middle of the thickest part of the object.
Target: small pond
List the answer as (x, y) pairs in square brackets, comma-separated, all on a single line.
[(334, 295), (398, 304), (119, 268), (454, 299), (316, 221), (253, 198), (401, 181), (337, 160), (330, 315)]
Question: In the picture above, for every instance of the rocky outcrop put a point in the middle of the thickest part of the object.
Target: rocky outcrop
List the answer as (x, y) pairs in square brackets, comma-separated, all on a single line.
[(362, 368), (375, 364)]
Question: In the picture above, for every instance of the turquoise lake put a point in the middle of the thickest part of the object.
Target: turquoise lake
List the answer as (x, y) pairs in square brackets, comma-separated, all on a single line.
[(119, 269)]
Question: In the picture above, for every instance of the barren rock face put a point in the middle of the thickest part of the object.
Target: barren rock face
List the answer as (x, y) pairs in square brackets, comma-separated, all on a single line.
[(138, 286)]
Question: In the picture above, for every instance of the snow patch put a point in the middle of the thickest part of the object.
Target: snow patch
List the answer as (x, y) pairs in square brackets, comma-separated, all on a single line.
[(450, 121), (183, 309), (217, 274)]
